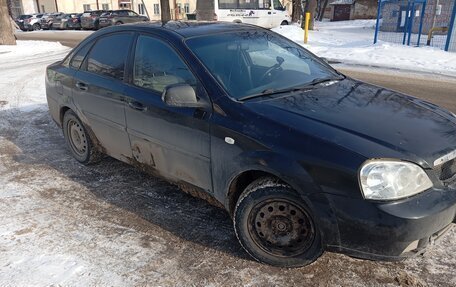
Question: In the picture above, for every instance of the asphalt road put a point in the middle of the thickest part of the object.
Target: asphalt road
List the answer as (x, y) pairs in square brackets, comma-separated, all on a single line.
[(440, 90)]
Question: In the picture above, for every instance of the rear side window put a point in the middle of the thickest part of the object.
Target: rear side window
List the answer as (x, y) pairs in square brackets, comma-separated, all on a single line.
[(109, 54), (78, 58), (158, 69)]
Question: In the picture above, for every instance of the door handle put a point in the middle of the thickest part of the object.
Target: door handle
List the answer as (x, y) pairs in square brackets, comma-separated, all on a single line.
[(82, 86), (137, 106)]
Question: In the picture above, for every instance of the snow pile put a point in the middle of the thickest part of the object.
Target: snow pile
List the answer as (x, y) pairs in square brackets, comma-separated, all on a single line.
[(22, 70), (351, 42), (29, 49)]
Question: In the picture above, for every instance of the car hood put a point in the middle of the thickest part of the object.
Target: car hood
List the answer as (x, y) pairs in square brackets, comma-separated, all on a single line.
[(369, 120)]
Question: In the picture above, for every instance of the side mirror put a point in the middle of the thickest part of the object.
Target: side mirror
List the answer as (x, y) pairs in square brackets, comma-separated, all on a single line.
[(181, 95)]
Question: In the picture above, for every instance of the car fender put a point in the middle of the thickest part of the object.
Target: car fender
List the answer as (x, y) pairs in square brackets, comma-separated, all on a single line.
[(292, 173)]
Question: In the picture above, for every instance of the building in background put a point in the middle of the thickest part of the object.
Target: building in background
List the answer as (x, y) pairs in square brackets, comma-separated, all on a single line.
[(342, 10), (179, 8), (19, 7)]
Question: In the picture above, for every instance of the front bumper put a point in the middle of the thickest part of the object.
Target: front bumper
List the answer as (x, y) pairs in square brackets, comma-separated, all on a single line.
[(74, 25), (26, 27), (392, 230), (46, 26), (103, 24)]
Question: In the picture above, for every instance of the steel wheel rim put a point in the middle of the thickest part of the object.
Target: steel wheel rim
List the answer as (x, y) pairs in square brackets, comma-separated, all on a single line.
[(281, 228), (77, 137)]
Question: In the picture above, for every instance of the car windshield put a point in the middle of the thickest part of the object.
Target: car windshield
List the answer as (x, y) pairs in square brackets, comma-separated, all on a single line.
[(255, 63)]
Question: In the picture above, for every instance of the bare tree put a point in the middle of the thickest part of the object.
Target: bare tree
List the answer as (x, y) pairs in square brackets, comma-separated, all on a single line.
[(311, 7), (205, 10), (323, 6), (165, 11), (296, 12), (6, 29)]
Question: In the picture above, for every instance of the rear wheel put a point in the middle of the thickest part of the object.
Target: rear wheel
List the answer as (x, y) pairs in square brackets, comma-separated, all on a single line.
[(275, 226), (36, 27), (119, 23), (284, 23), (78, 140)]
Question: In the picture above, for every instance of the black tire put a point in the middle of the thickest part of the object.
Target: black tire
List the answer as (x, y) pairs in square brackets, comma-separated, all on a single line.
[(275, 226), (284, 23), (119, 23), (36, 27), (78, 140)]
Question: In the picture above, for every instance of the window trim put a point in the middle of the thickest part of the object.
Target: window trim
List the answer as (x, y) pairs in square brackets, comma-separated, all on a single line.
[(170, 46), (129, 76), (84, 63)]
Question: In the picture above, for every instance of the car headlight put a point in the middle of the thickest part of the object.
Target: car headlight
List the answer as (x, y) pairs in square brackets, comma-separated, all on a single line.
[(389, 180)]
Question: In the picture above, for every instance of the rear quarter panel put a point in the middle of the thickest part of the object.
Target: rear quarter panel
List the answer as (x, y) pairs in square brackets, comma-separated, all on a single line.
[(59, 83)]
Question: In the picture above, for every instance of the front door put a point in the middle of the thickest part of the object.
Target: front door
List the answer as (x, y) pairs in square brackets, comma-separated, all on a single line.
[(171, 141), (98, 93)]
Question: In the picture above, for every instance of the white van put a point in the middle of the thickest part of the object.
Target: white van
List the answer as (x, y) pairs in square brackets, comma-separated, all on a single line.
[(264, 13)]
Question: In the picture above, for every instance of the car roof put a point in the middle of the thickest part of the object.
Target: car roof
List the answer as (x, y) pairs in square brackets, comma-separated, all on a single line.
[(186, 29)]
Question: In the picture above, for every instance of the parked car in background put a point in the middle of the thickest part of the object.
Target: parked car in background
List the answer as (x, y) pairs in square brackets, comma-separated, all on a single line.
[(29, 22), (48, 19), (75, 22), (302, 157), (118, 17), (90, 19), (61, 22)]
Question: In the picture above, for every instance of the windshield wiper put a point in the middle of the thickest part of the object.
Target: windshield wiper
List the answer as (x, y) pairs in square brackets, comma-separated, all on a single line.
[(323, 80), (270, 92)]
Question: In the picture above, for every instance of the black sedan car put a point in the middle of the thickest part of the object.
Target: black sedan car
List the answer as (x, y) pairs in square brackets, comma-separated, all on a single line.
[(304, 158)]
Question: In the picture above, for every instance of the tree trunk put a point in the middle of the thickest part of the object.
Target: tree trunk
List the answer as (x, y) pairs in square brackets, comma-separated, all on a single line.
[(296, 11), (165, 11), (311, 6), (6, 30), (322, 12), (205, 10)]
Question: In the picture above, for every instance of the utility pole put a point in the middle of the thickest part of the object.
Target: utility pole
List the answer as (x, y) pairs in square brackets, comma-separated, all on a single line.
[(56, 6), (98, 5)]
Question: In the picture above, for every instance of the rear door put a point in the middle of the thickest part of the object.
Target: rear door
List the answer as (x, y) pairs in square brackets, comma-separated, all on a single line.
[(172, 141), (98, 92)]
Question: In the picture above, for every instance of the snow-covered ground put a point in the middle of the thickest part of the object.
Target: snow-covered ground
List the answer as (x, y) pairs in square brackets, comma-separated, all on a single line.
[(351, 42), (22, 69), (64, 224)]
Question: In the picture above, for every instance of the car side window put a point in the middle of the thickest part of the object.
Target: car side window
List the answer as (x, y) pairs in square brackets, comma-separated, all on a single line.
[(131, 13), (157, 65), (78, 58), (109, 54)]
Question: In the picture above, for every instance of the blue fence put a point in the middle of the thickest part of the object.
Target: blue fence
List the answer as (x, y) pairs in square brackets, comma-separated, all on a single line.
[(451, 41), (417, 23)]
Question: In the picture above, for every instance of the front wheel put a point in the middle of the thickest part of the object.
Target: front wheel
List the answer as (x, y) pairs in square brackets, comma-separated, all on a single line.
[(36, 27), (78, 139), (119, 23), (275, 226), (284, 22)]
